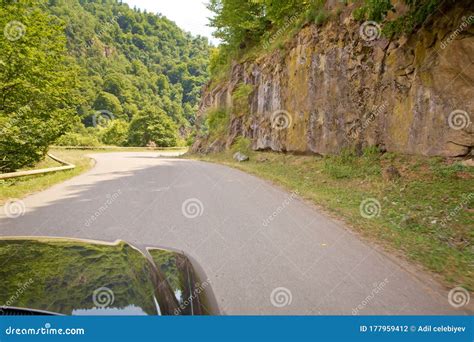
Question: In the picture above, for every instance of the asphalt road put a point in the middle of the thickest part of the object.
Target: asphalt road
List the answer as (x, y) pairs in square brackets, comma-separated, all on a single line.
[(264, 250)]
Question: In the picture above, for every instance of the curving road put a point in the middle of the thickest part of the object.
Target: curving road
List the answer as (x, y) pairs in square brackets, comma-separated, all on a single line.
[(264, 250)]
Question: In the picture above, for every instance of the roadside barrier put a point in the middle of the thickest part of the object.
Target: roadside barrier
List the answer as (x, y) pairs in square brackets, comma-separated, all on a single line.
[(66, 166)]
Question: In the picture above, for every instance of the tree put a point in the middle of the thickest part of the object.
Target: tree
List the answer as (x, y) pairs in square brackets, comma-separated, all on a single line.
[(108, 102), (36, 83), (238, 22), (153, 125)]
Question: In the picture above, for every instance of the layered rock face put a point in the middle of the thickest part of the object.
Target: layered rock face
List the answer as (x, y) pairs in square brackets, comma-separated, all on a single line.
[(341, 86)]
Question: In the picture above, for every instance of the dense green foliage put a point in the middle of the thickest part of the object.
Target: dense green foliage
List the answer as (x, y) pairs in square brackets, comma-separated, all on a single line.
[(133, 61), (240, 99), (377, 10), (116, 133), (153, 126), (36, 83), (216, 123), (373, 10), (244, 24), (95, 62)]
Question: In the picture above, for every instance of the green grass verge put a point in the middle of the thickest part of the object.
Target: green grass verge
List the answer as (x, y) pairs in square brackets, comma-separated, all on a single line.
[(415, 208), (14, 188)]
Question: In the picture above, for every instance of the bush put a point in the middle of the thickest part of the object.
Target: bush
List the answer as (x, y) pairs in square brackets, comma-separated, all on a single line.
[(217, 121), (115, 133), (360, 13), (321, 18), (77, 139), (316, 13), (218, 62), (190, 139), (242, 144), (240, 98), (377, 10)]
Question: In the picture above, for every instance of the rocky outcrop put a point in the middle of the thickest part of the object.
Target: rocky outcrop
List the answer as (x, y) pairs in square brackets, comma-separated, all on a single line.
[(334, 87)]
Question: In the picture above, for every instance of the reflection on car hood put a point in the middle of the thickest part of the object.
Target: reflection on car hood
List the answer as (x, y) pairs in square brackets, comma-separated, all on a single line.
[(79, 277)]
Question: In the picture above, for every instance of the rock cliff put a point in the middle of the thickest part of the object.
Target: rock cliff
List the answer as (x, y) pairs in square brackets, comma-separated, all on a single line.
[(344, 85)]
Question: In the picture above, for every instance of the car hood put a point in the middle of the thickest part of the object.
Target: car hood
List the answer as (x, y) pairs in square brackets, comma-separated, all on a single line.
[(78, 277)]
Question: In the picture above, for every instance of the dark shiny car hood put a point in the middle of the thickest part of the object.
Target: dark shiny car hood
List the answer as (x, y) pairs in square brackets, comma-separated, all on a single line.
[(78, 277)]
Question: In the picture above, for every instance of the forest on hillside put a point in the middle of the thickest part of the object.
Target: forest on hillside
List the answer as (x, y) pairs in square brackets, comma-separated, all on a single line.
[(91, 72)]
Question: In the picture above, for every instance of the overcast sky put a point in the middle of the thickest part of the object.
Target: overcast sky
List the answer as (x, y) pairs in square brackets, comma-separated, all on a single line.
[(190, 15)]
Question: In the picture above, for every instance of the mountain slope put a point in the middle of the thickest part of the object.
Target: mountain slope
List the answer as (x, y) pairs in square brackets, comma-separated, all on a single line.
[(131, 61)]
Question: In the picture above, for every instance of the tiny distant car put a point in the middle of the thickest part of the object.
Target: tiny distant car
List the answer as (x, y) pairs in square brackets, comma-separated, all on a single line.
[(58, 276)]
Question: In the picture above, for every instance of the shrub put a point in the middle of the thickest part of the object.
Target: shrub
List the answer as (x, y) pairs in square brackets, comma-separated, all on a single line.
[(217, 121), (377, 10), (242, 144), (219, 62), (78, 139), (240, 98), (316, 13), (79, 135), (190, 139), (321, 17), (115, 133), (360, 13)]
